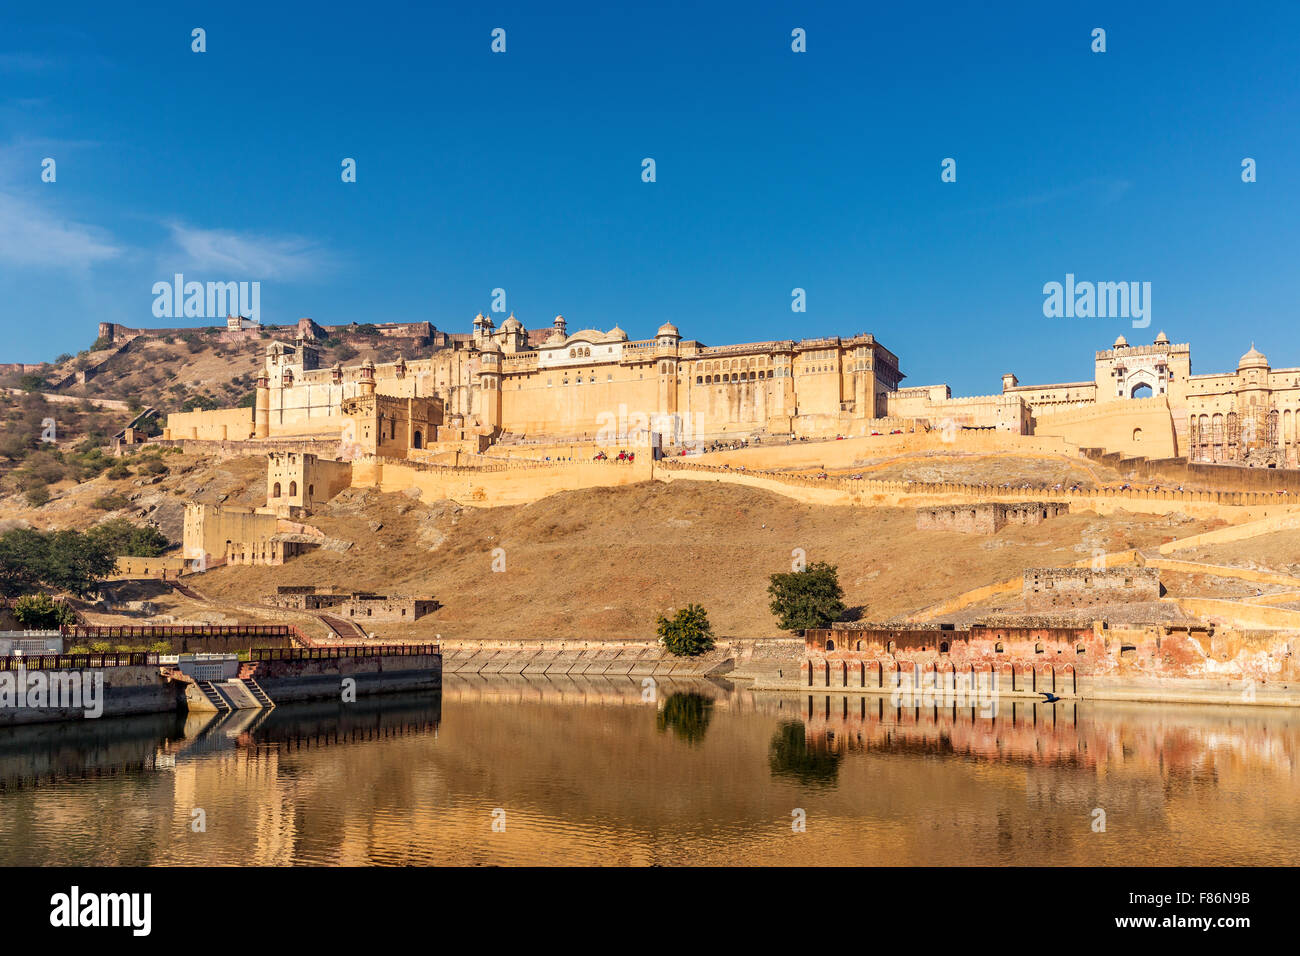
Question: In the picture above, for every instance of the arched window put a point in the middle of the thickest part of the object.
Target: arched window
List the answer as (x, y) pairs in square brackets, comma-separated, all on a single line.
[(275, 490), (830, 645), (293, 489), (417, 440)]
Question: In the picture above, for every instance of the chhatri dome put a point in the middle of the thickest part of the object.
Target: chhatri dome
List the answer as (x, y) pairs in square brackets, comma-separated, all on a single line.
[(1120, 343), (668, 329), (1162, 339), (1253, 359)]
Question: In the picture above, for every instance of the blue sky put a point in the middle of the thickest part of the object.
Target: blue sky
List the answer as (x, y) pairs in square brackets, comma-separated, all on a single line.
[(775, 170)]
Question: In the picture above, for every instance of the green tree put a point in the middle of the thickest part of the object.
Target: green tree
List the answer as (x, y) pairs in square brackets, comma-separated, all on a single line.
[(76, 563), (122, 537), (23, 554), (57, 560), (688, 633), (40, 612), (808, 598)]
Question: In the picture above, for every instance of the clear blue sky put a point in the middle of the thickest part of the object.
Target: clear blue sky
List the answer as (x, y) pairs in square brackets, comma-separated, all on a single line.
[(775, 170)]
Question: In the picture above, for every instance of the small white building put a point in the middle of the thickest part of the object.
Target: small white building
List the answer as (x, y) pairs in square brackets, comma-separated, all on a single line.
[(30, 643), (204, 666)]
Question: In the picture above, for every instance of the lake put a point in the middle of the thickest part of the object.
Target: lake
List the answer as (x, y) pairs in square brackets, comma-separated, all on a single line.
[(610, 772)]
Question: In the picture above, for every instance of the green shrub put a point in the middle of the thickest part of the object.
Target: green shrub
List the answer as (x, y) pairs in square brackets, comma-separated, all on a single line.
[(37, 495), (688, 633), (112, 502), (808, 598), (122, 537), (40, 612)]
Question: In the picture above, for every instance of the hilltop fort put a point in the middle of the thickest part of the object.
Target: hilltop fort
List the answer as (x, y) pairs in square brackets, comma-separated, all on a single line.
[(499, 384)]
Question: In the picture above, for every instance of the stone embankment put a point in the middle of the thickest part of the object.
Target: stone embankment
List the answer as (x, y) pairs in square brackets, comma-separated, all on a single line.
[(582, 658)]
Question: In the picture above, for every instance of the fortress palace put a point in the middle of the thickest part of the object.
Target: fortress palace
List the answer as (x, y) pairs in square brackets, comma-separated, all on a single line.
[(510, 383)]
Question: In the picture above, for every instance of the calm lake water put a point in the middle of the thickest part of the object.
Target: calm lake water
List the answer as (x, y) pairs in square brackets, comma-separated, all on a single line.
[(590, 772)]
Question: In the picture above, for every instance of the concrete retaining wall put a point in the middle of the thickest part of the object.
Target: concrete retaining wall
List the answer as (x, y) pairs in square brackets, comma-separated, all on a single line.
[(575, 658), (293, 680), (127, 690)]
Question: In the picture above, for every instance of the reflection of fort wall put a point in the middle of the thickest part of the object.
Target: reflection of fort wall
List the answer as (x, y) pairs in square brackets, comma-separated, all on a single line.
[(37, 754), (1100, 738)]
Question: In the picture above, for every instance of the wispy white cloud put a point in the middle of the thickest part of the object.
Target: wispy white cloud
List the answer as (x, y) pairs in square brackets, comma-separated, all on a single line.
[(234, 254), (34, 234)]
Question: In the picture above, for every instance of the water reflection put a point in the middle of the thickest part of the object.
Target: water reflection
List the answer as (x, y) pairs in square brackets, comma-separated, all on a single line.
[(595, 771), (808, 760), (687, 715)]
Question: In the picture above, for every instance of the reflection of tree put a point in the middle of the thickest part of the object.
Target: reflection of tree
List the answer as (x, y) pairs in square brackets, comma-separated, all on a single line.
[(687, 715), (790, 756)]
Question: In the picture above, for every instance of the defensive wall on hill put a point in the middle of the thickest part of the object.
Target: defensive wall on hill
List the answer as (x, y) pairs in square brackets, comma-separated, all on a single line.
[(1177, 471), (1139, 426), (1282, 520), (510, 483), (1228, 505)]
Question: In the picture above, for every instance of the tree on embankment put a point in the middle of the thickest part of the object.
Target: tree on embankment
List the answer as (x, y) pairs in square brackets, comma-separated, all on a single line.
[(688, 633), (40, 612), (32, 560), (808, 598)]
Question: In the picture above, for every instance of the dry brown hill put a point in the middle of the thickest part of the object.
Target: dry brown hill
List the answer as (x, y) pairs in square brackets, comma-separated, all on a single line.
[(193, 366), (604, 562)]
